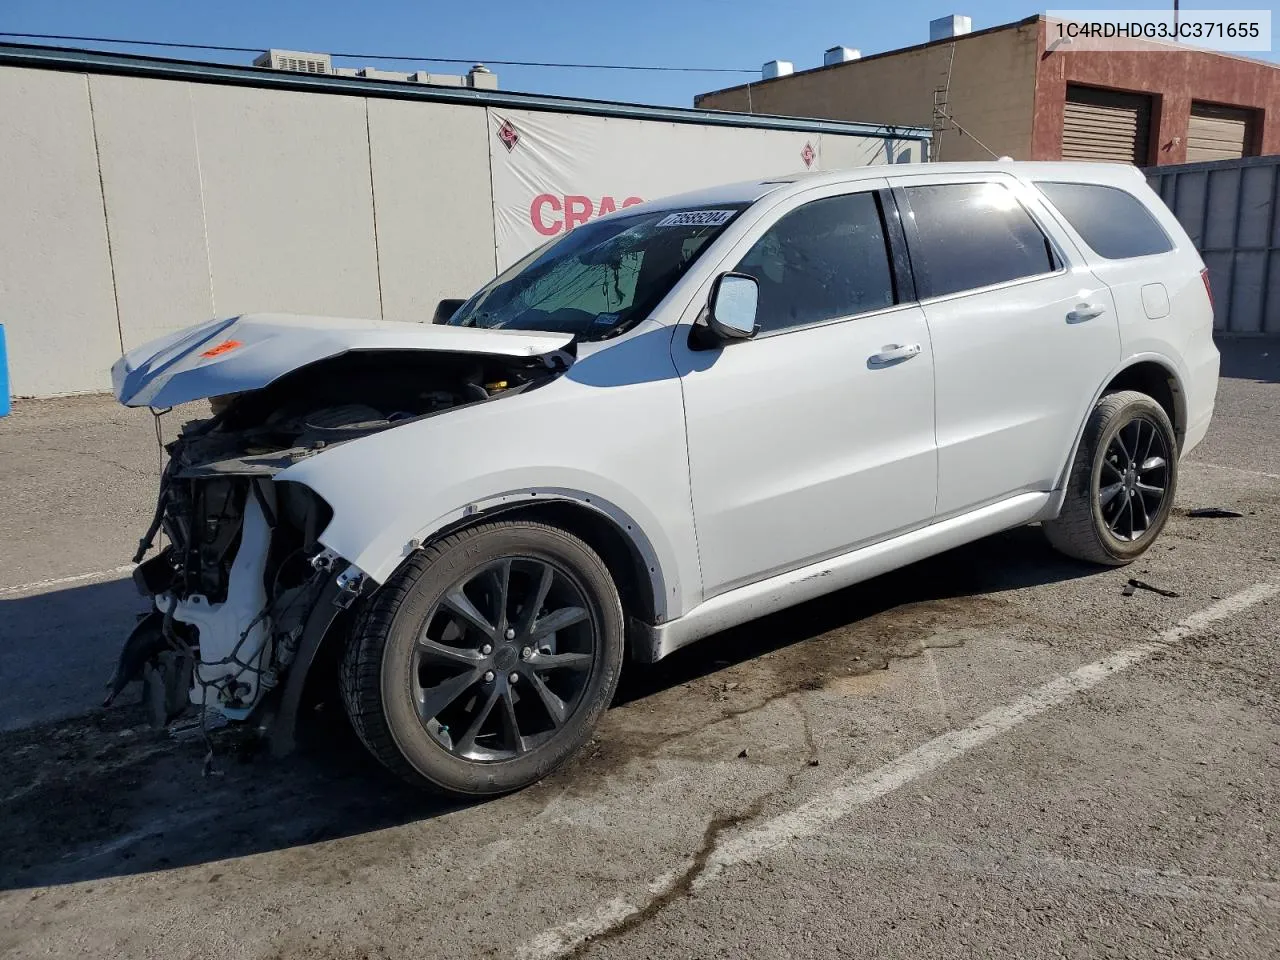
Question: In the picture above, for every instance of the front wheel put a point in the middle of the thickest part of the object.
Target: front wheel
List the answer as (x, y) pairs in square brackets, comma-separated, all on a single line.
[(485, 663), (1122, 482)]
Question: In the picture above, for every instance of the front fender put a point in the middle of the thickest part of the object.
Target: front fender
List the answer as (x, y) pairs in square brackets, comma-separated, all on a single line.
[(380, 554)]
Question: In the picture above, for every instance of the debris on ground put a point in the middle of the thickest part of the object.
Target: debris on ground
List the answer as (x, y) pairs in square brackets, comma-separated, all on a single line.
[(1134, 585), (1214, 513), (813, 761), (743, 754)]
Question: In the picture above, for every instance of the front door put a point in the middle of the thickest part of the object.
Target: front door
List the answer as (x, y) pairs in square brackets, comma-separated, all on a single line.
[(816, 436)]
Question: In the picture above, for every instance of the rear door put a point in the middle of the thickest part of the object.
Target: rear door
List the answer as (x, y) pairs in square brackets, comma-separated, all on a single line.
[(1022, 333)]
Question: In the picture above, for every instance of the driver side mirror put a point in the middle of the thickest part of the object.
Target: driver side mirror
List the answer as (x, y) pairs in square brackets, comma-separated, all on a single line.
[(731, 312), (446, 309)]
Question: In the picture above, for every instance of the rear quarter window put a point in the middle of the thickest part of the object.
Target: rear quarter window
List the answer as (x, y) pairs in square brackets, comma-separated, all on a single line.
[(1113, 222)]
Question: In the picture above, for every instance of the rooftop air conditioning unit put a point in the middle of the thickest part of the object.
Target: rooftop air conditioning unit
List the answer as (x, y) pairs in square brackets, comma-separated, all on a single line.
[(295, 61), (955, 25), (839, 55)]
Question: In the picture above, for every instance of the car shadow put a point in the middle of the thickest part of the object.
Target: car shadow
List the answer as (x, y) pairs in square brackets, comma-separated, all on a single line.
[(1007, 561), (62, 645), (100, 795), (1250, 358)]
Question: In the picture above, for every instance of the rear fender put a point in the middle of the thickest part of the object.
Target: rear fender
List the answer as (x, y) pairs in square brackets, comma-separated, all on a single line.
[(1059, 492)]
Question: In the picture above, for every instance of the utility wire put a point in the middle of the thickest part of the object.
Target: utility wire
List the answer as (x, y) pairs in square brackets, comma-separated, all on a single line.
[(966, 133), (379, 56)]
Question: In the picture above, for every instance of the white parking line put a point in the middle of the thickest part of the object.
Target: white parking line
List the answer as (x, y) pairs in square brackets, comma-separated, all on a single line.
[(39, 586), (1101, 877), (850, 792), (1223, 466)]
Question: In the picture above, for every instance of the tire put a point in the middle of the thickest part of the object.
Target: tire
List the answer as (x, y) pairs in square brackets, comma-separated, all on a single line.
[(1092, 525), (413, 648)]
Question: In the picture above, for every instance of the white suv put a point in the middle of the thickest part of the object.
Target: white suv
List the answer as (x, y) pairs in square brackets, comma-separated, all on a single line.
[(666, 422)]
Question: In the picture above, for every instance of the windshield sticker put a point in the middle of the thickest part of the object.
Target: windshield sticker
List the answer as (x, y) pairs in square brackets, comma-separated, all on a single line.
[(606, 319), (696, 218)]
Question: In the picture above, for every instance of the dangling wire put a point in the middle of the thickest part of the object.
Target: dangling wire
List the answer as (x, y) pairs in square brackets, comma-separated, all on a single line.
[(156, 416)]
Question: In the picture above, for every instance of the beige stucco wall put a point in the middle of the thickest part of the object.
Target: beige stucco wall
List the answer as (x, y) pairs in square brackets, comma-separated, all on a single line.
[(425, 162), (56, 296), (288, 201), (151, 182), (132, 207), (992, 92)]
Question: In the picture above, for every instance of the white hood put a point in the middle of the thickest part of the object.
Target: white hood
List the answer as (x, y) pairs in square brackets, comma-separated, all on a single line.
[(247, 353)]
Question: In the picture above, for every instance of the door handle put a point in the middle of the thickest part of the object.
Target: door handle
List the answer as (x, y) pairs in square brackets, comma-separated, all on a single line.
[(893, 353), (1085, 311)]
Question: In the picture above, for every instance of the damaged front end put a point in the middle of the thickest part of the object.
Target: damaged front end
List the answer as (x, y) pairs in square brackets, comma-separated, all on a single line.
[(243, 589), (234, 586)]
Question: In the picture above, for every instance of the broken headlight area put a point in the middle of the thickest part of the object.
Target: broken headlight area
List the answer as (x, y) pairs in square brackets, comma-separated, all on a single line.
[(233, 589), (242, 570)]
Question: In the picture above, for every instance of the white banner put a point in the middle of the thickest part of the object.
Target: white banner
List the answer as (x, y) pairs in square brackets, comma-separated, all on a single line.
[(552, 172)]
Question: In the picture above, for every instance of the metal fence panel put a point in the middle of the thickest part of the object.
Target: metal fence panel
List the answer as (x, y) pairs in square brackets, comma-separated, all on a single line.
[(1228, 208)]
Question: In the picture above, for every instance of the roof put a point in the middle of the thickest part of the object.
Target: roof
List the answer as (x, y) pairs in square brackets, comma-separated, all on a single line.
[(748, 191), (1025, 22), (756, 84), (101, 62)]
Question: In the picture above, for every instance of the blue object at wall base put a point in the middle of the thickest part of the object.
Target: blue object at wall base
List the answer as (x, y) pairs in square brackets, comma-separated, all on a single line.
[(4, 375)]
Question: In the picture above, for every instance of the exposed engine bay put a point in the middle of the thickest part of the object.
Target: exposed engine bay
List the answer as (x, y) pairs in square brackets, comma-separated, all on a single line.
[(240, 569)]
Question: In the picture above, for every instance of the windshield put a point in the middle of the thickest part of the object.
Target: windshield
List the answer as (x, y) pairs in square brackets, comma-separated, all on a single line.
[(600, 278)]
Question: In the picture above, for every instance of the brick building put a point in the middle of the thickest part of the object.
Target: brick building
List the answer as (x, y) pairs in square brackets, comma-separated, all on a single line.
[(1013, 90)]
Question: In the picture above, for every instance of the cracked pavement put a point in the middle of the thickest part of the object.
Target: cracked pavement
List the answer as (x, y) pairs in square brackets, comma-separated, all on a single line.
[(1137, 817)]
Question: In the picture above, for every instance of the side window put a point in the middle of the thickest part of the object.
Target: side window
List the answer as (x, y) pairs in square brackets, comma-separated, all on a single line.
[(824, 260), (973, 235), (1113, 222)]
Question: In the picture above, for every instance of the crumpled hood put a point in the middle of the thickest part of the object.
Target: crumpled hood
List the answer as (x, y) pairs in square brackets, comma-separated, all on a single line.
[(248, 352)]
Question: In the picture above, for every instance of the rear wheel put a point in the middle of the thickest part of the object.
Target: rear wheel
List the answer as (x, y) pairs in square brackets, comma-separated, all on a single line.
[(486, 662), (1122, 482)]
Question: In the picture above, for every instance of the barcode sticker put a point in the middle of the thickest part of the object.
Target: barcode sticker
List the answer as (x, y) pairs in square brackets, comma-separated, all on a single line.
[(696, 218)]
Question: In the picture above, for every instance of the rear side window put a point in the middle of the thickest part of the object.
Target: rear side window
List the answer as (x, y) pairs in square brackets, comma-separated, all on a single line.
[(971, 235), (822, 261), (1114, 223)]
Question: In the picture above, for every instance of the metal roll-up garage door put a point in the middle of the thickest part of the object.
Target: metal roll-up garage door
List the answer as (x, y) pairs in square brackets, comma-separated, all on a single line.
[(1106, 125), (1218, 133)]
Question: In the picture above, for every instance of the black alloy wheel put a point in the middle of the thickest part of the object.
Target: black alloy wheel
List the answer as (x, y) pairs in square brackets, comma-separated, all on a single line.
[(1120, 488), (1135, 479), (486, 661), (503, 659)]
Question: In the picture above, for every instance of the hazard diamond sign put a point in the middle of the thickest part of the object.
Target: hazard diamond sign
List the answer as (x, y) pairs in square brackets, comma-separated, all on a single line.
[(508, 135)]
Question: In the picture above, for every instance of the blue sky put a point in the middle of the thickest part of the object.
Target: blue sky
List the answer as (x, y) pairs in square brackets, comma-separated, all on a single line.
[(702, 33)]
